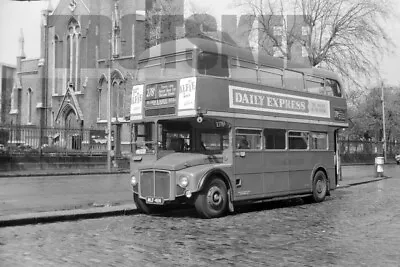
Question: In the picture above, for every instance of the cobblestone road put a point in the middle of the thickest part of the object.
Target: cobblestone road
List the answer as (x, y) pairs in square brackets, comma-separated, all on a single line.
[(357, 226)]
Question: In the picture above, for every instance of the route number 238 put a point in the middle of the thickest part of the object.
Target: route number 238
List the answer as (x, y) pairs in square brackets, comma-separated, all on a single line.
[(150, 92)]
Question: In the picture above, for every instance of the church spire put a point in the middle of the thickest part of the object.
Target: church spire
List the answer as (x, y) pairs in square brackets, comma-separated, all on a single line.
[(116, 38), (116, 15), (21, 41), (50, 7)]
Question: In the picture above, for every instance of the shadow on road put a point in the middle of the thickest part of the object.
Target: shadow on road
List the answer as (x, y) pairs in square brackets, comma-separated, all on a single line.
[(189, 211)]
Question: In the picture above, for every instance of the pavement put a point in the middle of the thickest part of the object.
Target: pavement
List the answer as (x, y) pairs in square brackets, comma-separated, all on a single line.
[(352, 176), (60, 172)]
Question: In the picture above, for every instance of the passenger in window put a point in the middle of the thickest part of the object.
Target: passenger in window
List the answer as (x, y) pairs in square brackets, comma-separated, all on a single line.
[(202, 146), (243, 144)]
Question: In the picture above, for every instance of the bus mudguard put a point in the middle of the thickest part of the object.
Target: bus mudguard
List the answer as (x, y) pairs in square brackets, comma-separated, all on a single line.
[(320, 167), (222, 174)]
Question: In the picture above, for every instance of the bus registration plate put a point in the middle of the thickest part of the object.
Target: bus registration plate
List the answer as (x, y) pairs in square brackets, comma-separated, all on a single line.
[(155, 200)]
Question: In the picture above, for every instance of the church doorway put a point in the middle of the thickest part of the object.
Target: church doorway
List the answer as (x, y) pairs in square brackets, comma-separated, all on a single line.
[(73, 131)]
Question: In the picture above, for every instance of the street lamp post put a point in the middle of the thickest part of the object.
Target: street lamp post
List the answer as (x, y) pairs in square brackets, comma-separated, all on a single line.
[(383, 122), (109, 148)]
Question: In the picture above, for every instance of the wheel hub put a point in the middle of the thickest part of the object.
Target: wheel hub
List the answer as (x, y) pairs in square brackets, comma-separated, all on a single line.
[(214, 197), (321, 187)]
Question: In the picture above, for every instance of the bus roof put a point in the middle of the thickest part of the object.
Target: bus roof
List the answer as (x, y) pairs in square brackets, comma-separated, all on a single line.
[(215, 46)]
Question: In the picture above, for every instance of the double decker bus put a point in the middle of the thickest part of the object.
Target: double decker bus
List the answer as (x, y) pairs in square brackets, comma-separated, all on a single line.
[(214, 126)]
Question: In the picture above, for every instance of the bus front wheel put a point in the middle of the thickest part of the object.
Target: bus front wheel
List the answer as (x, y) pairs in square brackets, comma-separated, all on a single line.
[(141, 205), (212, 201), (320, 187)]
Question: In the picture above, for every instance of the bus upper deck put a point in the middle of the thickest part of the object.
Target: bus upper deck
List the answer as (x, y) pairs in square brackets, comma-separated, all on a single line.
[(196, 56), (192, 76)]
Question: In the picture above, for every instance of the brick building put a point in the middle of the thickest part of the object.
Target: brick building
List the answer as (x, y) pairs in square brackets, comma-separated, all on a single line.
[(67, 86)]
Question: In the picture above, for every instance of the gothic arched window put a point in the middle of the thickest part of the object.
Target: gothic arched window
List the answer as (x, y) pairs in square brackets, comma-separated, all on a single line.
[(73, 49), (118, 94), (29, 106), (55, 64), (102, 98)]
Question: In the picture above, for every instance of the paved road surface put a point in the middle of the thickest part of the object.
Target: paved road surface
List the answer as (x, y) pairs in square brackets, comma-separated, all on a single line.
[(19, 195), (34, 194), (356, 226)]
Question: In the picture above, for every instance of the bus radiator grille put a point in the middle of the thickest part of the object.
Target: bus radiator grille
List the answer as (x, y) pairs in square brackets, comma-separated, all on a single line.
[(155, 184)]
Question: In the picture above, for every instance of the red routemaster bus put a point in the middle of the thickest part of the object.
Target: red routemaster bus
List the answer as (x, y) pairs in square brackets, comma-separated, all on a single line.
[(214, 126)]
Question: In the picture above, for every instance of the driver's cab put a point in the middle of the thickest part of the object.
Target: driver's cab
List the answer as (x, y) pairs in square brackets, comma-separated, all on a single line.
[(156, 139)]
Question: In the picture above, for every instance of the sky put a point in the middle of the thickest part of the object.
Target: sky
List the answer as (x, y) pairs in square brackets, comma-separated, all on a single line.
[(16, 15)]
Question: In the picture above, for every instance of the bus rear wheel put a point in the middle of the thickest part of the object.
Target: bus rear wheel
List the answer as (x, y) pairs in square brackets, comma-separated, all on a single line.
[(320, 187), (212, 201)]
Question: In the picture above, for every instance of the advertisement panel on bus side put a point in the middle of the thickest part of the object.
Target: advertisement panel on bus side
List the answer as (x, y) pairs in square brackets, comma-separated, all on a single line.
[(260, 100)]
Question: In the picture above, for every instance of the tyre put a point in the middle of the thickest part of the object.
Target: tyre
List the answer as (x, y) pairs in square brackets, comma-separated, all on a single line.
[(141, 205), (320, 187), (212, 201)]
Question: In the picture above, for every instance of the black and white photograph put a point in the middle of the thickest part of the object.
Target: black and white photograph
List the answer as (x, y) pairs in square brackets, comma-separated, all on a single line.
[(199, 133)]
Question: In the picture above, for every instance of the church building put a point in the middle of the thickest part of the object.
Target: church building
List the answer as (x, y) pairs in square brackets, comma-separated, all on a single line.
[(87, 47)]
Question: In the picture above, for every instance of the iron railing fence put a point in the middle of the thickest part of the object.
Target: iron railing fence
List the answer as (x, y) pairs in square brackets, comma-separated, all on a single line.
[(25, 139), (361, 151)]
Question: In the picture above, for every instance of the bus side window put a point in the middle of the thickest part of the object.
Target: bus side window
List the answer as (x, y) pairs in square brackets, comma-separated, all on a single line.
[(248, 139), (293, 80), (315, 85), (243, 70), (333, 88), (270, 76), (319, 140), (275, 138), (213, 64), (298, 140), (149, 69), (179, 64)]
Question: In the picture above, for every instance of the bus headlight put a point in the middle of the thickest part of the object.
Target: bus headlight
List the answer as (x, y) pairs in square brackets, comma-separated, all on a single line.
[(188, 193), (183, 181), (133, 180)]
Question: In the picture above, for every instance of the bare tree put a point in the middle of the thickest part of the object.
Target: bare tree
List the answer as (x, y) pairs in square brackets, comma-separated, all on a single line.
[(164, 21), (169, 20), (346, 36), (366, 115)]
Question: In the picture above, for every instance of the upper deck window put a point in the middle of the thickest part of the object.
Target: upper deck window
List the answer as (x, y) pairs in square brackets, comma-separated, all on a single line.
[(323, 86), (178, 65), (293, 80), (315, 85), (332, 87), (243, 70), (213, 64), (149, 69), (270, 76)]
